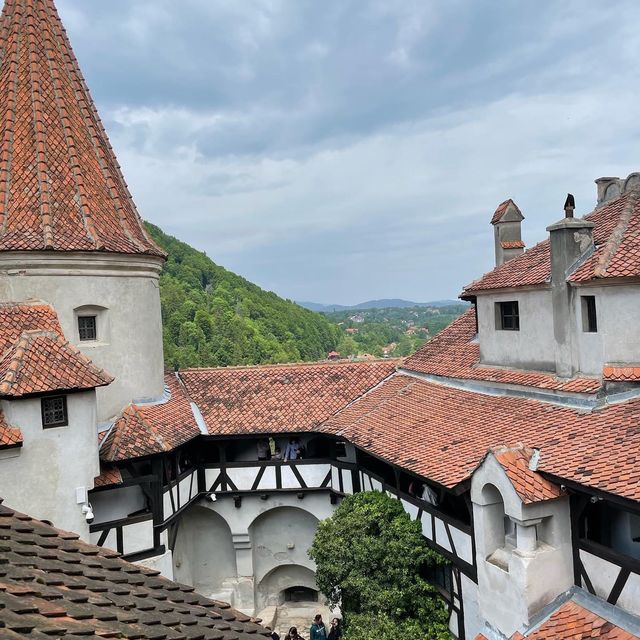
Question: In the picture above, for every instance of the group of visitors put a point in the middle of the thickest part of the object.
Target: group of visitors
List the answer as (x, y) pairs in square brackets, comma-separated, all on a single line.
[(318, 631), (267, 449)]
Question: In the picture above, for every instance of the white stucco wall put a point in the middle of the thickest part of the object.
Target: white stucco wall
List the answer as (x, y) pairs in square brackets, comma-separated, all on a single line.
[(618, 335), (129, 344), (204, 555), (116, 504), (42, 479), (530, 348), (524, 581)]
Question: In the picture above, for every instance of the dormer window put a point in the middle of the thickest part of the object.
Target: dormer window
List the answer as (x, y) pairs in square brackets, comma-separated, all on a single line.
[(87, 328), (507, 316), (589, 317), (54, 412)]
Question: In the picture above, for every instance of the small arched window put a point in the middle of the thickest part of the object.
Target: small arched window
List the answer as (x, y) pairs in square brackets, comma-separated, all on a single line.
[(91, 325)]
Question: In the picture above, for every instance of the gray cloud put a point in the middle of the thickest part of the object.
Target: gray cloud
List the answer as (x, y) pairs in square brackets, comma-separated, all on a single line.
[(346, 150)]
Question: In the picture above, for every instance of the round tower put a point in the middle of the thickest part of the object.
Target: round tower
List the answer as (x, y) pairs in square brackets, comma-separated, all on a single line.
[(69, 231)]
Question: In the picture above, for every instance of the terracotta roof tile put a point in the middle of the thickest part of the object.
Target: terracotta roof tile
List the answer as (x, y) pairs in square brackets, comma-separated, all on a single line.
[(16, 318), (621, 373), (453, 353), (573, 622), (529, 485), (42, 362), (279, 398), (72, 589), (617, 255), (512, 244), (143, 429), (110, 475), (61, 187), (445, 432), (10, 437)]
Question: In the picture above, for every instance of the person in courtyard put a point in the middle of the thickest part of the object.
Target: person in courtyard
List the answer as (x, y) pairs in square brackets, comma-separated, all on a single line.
[(318, 630), (275, 636), (335, 630), (277, 454), (293, 634)]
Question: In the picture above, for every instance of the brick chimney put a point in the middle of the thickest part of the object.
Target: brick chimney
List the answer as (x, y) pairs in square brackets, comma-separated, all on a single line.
[(571, 241), (506, 222)]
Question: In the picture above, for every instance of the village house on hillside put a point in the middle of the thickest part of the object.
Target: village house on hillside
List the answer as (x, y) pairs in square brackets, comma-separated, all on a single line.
[(512, 436)]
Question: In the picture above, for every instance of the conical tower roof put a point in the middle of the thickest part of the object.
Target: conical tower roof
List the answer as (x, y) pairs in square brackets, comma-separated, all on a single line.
[(61, 188)]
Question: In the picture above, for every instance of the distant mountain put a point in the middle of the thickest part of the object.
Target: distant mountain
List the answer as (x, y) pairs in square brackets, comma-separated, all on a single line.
[(387, 303), (213, 317)]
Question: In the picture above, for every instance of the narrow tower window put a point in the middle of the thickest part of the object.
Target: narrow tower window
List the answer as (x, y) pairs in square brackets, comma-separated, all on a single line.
[(54, 412), (507, 316), (589, 317), (87, 328)]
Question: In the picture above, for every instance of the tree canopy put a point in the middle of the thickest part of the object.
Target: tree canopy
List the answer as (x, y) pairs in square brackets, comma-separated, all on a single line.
[(371, 559), (213, 317)]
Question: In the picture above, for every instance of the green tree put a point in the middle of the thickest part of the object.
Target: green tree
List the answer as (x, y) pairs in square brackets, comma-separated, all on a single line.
[(370, 559)]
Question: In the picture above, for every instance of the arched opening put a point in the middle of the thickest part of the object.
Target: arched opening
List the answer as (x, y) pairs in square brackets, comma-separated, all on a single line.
[(91, 325), (203, 553), (499, 530), (289, 585), (300, 594)]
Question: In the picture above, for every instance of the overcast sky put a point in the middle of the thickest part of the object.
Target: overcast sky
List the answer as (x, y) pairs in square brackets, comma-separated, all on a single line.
[(343, 150)]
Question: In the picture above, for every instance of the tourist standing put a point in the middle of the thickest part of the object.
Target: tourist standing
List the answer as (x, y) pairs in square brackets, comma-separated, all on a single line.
[(293, 635), (335, 630), (318, 630)]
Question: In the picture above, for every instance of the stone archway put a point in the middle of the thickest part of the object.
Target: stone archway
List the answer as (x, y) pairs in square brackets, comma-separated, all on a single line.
[(280, 585), (203, 554)]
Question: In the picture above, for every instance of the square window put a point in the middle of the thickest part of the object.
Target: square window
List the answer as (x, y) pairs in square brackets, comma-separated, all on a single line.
[(507, 316), (54, 412), (589, 317), (87, 328)]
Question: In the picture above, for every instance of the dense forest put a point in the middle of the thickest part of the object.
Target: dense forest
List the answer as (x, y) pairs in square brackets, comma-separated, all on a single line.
[(213, 317), (394, 332)]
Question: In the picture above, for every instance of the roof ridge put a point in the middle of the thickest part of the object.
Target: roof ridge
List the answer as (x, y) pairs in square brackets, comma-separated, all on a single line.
[(617, 235), (290, 365)]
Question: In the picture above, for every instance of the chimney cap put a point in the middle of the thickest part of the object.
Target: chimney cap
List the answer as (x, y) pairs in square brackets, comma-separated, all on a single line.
[(569, 205)]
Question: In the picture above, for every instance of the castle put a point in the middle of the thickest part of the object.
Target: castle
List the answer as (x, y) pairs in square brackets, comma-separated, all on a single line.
[(513, 435)]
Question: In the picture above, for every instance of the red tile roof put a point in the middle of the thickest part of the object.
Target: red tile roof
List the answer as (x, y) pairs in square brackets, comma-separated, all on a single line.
[(502, 207), (453, 353), (621, 373), (60, 184), (109, 476), (573, 622), (530, 485), (442, 433), (42, 362), (10, 437), (279, 398), (52, 585), (143, 430), (16, 318), (617, 238), (512, 244)]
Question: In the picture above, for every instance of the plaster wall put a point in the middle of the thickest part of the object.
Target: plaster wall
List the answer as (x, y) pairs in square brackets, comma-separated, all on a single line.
[(125, 289), (53, 463), (532, 347), (618, 335), (473, 622), (269, 592), (258, 538), (117, 504), (203, 554), (603, 575)]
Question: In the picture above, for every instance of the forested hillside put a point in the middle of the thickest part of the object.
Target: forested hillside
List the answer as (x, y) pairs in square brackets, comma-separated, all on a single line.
[(213, 317)]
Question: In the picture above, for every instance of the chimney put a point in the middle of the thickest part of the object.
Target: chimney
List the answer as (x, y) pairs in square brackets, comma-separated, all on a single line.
[(571, 240), (506, 222), (612, 188)]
